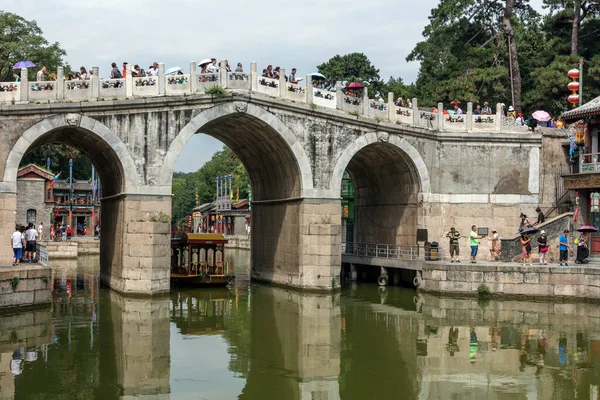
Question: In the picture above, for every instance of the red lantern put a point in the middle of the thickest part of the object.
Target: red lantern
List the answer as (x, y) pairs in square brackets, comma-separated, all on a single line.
[(573, 86), (574, 73), (574, 98)]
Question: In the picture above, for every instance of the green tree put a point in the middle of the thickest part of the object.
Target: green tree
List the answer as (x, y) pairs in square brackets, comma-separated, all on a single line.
[(575, 13), (23, 40), (464, 55), (185, 185), (59, 155), (352, 67)]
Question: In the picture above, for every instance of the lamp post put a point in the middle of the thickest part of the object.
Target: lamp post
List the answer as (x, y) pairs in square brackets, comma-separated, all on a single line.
[(70, 193)]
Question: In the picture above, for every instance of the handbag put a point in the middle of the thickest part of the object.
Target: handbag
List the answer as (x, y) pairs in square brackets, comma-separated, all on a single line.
[(528, 247), (544, 249)]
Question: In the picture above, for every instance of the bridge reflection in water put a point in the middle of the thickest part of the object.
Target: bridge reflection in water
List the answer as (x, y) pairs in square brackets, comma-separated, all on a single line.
[(263, 342)]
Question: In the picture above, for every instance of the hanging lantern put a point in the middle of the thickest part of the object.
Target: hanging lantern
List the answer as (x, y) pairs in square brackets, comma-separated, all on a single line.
[(573, 87), (573, 74)]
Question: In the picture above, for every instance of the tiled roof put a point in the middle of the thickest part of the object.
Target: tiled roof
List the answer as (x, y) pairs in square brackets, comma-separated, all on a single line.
[(589, 109)]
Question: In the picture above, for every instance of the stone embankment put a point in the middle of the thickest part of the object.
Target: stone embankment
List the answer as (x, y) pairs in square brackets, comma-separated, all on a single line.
[(238, 242), (67, 250), (512, 280), (25, 286)]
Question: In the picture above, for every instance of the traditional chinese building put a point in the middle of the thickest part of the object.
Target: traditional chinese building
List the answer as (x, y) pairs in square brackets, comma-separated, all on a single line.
[(584, 176), (42, 199), (230, 222)]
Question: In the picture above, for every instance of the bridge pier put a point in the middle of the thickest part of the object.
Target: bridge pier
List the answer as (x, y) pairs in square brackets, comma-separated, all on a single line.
[(8, 216), (297, 243), (135, 247)]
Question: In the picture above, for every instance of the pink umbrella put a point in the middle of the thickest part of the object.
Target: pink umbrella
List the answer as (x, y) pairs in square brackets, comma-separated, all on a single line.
[(587, 228), (354, 85), (541, 116)]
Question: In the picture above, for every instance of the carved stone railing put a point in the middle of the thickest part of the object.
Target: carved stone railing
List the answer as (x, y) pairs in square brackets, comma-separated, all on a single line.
[(353, 102)]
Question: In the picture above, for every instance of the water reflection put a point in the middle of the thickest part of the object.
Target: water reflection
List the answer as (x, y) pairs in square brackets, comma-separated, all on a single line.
[(263, 342)]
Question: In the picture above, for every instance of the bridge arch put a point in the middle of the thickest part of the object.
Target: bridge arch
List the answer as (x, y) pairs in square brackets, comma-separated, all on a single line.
[(264, 144), (388, 175), (418, 164), (103, 147)]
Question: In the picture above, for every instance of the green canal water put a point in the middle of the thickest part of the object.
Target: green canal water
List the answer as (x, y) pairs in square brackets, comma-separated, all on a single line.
[(261, 342)]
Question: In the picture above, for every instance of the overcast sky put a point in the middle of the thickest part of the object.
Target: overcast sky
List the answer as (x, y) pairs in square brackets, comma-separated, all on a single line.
[(301, 34)]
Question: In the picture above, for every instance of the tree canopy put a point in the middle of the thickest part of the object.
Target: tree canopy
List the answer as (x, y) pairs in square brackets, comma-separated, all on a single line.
[(59, 155), (22, 40), (222, 163), (465, 56)]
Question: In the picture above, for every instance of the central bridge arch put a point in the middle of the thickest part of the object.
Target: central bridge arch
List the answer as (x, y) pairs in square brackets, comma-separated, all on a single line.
[(280, 175)]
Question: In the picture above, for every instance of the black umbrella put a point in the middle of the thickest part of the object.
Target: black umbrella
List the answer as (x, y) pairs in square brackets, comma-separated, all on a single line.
[(531, 229)]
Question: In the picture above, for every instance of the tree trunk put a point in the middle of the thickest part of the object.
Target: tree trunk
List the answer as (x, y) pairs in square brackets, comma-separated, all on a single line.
[(575, 27), (513, 60)]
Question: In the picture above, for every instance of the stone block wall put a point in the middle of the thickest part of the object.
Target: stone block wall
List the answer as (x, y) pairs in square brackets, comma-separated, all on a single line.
[(297, 243), (538, 281), (61, 250), (25, 286), (8, 216), (135, 246), (30, 193)]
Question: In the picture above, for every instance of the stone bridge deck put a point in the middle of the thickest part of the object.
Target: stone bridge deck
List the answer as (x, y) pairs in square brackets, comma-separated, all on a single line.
[(194, 82)]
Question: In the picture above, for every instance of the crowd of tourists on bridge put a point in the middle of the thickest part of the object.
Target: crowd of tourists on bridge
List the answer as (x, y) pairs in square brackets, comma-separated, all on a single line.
[(210, 67)]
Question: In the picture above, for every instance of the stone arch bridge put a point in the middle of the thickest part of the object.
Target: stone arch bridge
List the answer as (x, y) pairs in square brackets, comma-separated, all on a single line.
[(405, 177)]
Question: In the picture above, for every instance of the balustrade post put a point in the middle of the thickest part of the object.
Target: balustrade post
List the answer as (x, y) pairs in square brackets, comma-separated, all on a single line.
[(415, 109), (193, 77), (282, 84), (469, 116), (498, 122), (24, 85), (95, 82), (129, 81), (253, 77), (391, 107), (309, 89), (365, 102), (440, 116), (339, 96), (161, 79), (60, 83), (223, 75)]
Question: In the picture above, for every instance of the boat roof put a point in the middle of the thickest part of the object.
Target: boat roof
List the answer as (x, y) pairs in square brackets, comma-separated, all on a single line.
[(203, 238)]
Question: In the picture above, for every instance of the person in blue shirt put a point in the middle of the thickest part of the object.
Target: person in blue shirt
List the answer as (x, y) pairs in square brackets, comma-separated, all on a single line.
[(564, 248)]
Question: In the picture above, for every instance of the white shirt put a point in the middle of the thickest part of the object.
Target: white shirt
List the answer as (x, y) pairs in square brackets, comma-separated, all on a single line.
[(212, 68), (31, 234), (40, 75), (153, 71), (16, 240), (40, 229)]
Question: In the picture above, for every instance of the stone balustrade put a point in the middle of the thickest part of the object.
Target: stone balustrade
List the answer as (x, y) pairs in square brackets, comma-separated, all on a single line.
[(96, 89)]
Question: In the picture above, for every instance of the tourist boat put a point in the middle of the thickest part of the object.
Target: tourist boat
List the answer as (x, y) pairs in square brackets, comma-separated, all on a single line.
[(198, 259)]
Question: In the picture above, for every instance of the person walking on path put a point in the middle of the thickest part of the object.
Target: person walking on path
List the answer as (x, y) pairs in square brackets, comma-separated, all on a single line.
[(41, 231), (542, 242), (16, 241), (496, 248), (474, 243), (525, 249), (525, 222), (454, 246), (541, 218), (564, 248)]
